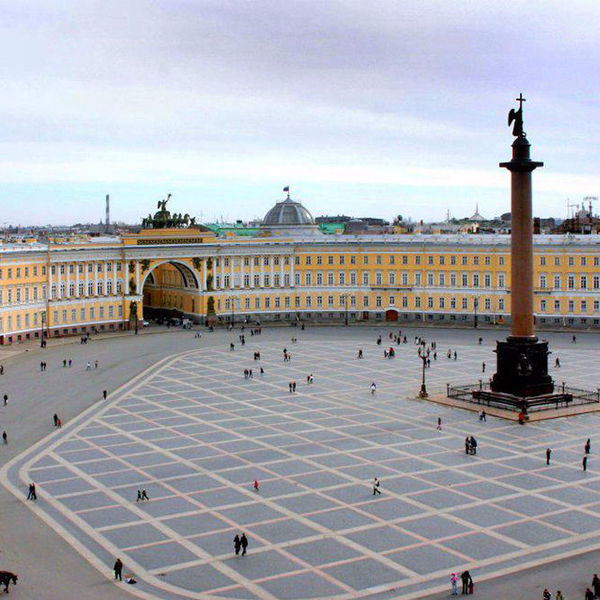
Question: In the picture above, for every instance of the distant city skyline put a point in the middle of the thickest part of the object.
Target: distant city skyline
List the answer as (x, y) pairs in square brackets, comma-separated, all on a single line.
[(363, 109)]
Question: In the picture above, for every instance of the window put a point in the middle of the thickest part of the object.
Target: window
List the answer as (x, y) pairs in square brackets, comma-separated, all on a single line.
[(74, 314), (476, 260), (257, 303), (352, 259), (297, 301), (557, 282), (583, 261), (429, 302), (405, 278), (276, 280), (308, 301), (430, 260), (453, 260), (452, 279), (583, 306), (583, 282), (319, 260), (365, 278), (417, 279), (487, 280), (475, 279), (286, 260), (111, 311), (64, 315), (430, 281), (487, 303), (277, 302), (442, 279), (353, 278), (352, 300), (464, 260), (247, 262), (571, 261), (99, 267), (404, 259), (557, 305), (62, 291), (392, 259), (404, 301), (365, 301), (392, 278), (257, 261), (464, 280), (330, 260), (543, 305), (571, 282), (256, 280), (330, 278), (465, 303), (246, 280), (319, 300), (342, 259), (378, 259), (442, 302), (342, 278), (596, 305), (266, 261), (62, 272), (71, 289), (543, 261), (417, 302), (308, 278), (109, 287), (319, 278), (267, 280), (596, 282), (597, 261), (542, 282), (452, 302), (378, 278), (417, 260), (487, 261), (571, 306), (557, 261), (226, 263), (378, 301), (500, 303), (442, 260)]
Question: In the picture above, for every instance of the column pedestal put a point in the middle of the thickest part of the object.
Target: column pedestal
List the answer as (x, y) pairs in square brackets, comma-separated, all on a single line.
[(522, 367)]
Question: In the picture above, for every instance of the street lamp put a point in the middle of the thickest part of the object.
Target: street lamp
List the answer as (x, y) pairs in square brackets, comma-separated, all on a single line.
[(423, 355), (42, 332), (232, 300), (344, 297), (475, 306)]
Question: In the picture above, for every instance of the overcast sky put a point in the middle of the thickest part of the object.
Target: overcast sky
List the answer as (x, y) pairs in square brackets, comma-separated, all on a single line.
[(363, 108)]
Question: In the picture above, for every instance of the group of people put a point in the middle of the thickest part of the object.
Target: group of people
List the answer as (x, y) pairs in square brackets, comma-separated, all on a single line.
[(240, 543), (467, 583), (57, 421), (470, 445), (587, 449), (142, 495)]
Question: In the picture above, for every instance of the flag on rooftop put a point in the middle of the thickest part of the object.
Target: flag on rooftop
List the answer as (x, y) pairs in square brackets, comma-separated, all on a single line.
[(286, 188)]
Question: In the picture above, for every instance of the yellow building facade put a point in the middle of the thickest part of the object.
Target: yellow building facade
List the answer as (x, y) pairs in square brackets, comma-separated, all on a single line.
[(71, 289)]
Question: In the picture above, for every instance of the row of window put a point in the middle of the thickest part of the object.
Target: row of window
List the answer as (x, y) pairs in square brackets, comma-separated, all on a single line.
[(19, 272), (571, 281), (66, 316), (101, 288), (583, 306), (364, 302)]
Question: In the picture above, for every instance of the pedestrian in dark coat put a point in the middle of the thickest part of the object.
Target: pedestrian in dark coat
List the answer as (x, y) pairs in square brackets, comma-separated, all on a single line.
[(237, 544), (118, 569), (548, 455), (244, 543), (584, 463), (596, 585), (466, 581), (588, 446)]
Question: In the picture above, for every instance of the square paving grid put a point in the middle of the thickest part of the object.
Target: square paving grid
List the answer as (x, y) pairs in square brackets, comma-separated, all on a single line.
[(197, 434)]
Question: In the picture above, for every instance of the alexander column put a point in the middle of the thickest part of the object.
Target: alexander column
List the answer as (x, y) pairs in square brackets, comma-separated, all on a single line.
[(522, 360)]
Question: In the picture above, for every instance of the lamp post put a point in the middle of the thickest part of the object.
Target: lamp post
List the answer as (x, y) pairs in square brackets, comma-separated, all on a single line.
[(42, 332), (475, 306), (344, 297), (423, 355), (232, 300)]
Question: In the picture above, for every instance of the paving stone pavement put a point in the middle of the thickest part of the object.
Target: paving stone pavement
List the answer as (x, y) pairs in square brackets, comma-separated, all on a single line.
[(195, 434)]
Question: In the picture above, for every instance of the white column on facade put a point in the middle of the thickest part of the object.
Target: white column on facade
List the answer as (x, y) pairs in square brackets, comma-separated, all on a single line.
[(252, 271), (231, 280), (204, 273), (282, 276), (292, 271), (87, 276), (137, 277), (58, 281), (271, 270), (115, 277), (49, 290), (242, 271), (77, 265), (262, 270)]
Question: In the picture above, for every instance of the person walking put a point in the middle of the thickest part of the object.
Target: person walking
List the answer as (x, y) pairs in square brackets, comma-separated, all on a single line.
[(589, 595), (588, 446), (139, 496), (244, 543), (373, 388), (104, 394), (31, 495), (439, 424), (557, 362), (237, 544), (118, 569), (584, 462), (596, 585), (376, 486), (256, 485), (483, 367), (55, 418), (559, 595), (4, 437), (145, 495), (548, 455), (546, 595), (5, 399), (88, 366)]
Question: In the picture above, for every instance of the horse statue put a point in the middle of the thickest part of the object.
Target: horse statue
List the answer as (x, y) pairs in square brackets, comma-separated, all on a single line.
[(6, 577)]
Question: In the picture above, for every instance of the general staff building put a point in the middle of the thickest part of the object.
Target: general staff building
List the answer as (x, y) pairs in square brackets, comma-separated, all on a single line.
[(288, 271)]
